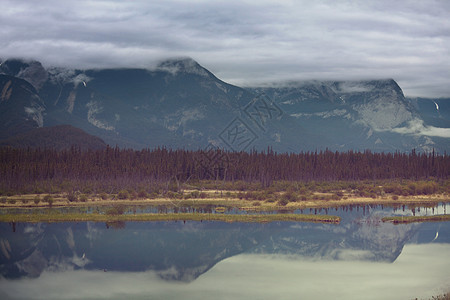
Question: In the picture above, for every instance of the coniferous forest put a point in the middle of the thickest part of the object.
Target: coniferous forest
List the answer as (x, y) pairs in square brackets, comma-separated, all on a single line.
[(112, 169)]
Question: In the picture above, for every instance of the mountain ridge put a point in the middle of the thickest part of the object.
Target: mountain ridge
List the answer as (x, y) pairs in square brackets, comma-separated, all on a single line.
[(180, 104)]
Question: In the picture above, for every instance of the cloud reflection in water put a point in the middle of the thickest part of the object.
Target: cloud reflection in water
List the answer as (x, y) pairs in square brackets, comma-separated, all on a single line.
[(420, 271)]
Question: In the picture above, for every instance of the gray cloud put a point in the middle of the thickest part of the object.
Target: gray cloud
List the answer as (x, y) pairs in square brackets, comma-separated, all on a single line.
[(417, 127), (242, 42)]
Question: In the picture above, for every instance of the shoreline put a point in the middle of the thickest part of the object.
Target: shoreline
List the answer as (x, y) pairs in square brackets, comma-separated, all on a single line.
[(26, 201), (23, 209)]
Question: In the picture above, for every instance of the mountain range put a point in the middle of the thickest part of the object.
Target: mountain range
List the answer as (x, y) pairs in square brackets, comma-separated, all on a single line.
[(180, 104)]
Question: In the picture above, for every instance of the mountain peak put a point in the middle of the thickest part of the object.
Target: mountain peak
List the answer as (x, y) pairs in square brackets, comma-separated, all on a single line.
[(29, 70), (183, 65)]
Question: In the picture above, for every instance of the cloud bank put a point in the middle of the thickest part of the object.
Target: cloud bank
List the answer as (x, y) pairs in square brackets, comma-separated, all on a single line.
[(417, 127), (243, 42)]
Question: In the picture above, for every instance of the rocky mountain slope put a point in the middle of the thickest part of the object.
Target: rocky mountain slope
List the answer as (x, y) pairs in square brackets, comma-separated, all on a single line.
[(180, 104)]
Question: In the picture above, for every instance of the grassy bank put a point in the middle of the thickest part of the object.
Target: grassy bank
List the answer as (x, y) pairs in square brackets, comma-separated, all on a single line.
[(254, 201), (413, 219), (95, 217)]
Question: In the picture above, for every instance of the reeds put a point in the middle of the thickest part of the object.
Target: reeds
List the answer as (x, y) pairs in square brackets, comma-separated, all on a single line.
[(412, 219), (96, 217)]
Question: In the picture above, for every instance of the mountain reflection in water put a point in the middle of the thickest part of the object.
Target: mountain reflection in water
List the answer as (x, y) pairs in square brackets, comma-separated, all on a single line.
[(178, 256)]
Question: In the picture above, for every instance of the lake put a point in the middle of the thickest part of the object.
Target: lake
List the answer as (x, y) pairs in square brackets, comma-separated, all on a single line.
[(360, 258)]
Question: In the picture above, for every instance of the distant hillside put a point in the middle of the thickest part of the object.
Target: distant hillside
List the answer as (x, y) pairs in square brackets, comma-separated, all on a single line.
[(55, 137), (181, 105)]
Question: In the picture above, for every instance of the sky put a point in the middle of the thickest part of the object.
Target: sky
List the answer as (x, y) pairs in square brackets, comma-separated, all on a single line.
[(246, 43)]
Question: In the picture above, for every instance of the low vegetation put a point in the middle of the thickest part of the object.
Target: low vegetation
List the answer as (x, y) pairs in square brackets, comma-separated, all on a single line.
[(118, 216), (413, 219), (242, 194)]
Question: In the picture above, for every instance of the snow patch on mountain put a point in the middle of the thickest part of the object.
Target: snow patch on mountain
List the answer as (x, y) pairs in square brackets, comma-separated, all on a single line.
[(382, 114), (95, 108), (63, 76), (80, 78), (221, 87), (181, 117), (35, 112), (71, 101), (6, 92), (325, 114), (351, 87)]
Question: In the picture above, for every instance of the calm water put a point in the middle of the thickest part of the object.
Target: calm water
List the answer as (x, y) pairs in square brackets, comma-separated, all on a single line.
[(361, 258)]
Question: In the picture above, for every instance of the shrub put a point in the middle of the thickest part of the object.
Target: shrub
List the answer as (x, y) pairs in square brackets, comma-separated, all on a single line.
[(3, 199), (256, 203), (123, 194), (289, 196), (12, 201), (283, 202), (394, 197), (83, 198), (170, 195), (116, 210), (412, 188), (104, 196), (133, 195), (48, 199), (362, 193), (302, 191), (153, 195), (142, 194), (72, 197), (427, 188), (37, 199), (336, 196), (249, 195), (195, 194)]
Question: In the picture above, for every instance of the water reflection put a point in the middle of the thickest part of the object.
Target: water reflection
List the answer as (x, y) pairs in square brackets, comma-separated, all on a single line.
[(184, 260), (346, 211)]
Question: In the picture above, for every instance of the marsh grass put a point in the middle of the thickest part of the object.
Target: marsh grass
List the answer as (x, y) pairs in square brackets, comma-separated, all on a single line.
[(413, 219), (53, 216)]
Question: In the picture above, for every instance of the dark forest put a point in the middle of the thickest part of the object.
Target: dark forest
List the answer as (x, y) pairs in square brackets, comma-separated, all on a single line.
[(121, 168)]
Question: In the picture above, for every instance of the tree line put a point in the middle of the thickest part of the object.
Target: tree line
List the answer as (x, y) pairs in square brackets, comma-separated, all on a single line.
[(21, 167)]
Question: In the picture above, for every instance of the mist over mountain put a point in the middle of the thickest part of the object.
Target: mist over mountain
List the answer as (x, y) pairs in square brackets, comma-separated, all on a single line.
[(180, 104)]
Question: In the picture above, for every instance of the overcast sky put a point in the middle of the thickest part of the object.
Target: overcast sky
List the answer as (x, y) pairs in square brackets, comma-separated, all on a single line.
[(242, 42)]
